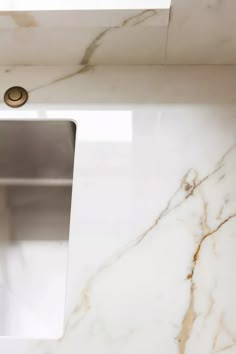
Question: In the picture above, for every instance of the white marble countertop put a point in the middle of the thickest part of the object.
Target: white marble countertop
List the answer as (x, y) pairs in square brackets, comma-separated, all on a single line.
[(151, 260)]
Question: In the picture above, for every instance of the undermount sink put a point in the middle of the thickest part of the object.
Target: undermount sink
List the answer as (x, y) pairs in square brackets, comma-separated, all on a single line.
[(36, 170)]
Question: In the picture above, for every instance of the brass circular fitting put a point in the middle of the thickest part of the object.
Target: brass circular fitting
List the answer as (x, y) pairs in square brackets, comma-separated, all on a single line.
[(16, 96)]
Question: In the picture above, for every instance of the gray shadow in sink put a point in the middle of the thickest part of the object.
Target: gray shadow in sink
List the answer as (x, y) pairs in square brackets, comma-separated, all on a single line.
[(36, 150)]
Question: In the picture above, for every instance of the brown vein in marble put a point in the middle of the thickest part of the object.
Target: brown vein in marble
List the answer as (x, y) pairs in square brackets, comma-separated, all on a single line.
[(190, 315), (210, 307), (216, 336), (220, 213), (21, 19), (218, 168), (96, 42), (221, 350), (189, 319), (196, 255), (222, 327), (93, 46), (130, 21), (204, 225), (80, 70), (139, 18)]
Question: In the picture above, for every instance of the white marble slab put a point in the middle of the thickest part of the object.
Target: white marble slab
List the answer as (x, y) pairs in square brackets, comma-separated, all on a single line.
[(152, 237), (133, 32), (83, 37), (153, 212), (114, 45), (202, 32), (73, 85)]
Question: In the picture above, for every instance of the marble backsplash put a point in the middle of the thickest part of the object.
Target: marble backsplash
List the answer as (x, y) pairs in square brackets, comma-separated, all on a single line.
[(159, 32)]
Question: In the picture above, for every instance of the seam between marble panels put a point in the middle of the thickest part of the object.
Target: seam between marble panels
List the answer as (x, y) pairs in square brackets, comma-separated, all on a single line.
[(165, 59)]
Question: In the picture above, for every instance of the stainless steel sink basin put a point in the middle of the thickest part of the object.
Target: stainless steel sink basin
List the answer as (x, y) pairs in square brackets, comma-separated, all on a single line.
[(36, 152), (36, 169)]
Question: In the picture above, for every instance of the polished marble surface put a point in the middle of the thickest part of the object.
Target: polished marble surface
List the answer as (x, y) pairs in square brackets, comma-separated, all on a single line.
[(84, 37), (70, 86), (151, 256), (180, 32), (94, 45), (202, 32), (152, 228)]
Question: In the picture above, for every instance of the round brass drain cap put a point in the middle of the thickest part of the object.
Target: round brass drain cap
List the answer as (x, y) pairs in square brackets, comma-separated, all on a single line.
[(16, 96)]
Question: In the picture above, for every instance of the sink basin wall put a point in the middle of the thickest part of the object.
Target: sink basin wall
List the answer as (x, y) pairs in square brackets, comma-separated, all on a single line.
[(34, 249), (36, 164)]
